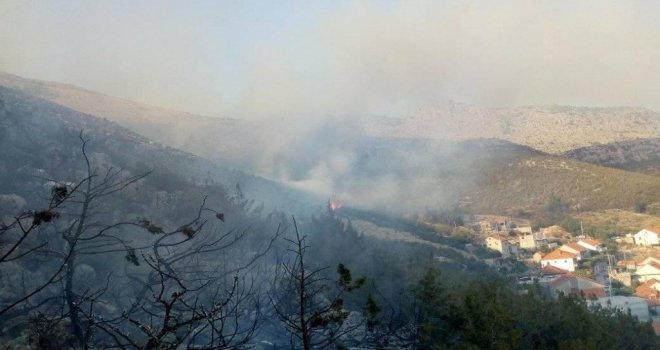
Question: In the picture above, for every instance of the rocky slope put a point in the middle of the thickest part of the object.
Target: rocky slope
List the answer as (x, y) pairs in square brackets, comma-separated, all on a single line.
[(640, 155), (551, 129)]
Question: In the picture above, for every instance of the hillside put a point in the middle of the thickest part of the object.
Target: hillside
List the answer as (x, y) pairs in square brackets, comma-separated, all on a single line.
[(640, 155), (213, 138), (482, 176), (551, 129), (529, 183), (616, 221), (41, 138)]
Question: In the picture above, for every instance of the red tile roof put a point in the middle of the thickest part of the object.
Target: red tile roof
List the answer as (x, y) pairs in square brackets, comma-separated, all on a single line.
[(577, 247), (558, 254), (560, 280), (646, 291), (651, 259), (626, 262), (596, 291), (593, 242), (550, 270), (654, 229)]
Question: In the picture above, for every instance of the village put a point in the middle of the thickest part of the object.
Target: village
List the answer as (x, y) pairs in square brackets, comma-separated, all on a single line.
[(622, 272)]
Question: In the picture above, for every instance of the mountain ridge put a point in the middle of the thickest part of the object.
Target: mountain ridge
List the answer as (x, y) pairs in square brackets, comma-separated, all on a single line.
[(639, 155), (136, 150), (353, 160), (554, 129)]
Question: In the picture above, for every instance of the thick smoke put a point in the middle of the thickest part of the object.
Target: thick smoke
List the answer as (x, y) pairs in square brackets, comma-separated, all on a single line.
[(339, 161), (293, 66), (353, 58)]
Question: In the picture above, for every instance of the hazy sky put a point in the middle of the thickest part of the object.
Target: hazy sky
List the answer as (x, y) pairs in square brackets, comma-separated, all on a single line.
[(316, 58)]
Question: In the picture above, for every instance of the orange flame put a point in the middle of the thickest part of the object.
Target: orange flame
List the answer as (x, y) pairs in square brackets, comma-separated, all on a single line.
[(334, 205)]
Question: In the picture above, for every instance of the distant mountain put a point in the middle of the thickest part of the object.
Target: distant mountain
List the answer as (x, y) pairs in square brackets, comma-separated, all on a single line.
[(640, 155), (551, 129), (227, 139), (486, 160)]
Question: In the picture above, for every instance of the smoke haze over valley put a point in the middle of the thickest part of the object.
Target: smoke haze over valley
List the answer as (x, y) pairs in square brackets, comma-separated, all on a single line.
[(363, 174), (359, 70)]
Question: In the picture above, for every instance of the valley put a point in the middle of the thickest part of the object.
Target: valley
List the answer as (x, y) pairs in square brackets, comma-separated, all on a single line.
[(311, 175), (404, 196)]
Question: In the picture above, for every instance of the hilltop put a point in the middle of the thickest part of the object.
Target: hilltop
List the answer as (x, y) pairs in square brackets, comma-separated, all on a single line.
[(41, 138), (213, 138), (640, 155), (529, 183), (552, 129)]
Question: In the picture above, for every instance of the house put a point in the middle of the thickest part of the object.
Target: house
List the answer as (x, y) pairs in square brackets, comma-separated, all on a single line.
[(627, 239), (500, 244), (537, 257), (633, 265), (540, 238), (561, 259), (550, 270), (593, 245), (647, 237), (622, 276), (524, 229), (650, 291), (647, 272), (649, 260), (528, 241), (626, 265), (569, 284), (552, 245), (576, 249), (635, 305), (490, 225)]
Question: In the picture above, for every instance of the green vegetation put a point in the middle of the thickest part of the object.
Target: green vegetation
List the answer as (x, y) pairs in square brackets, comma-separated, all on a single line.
[(619, 288), (572, 225), (640, 207), (486, 314), (538, 184), (603, 224), (557, 209), (639, 155)]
